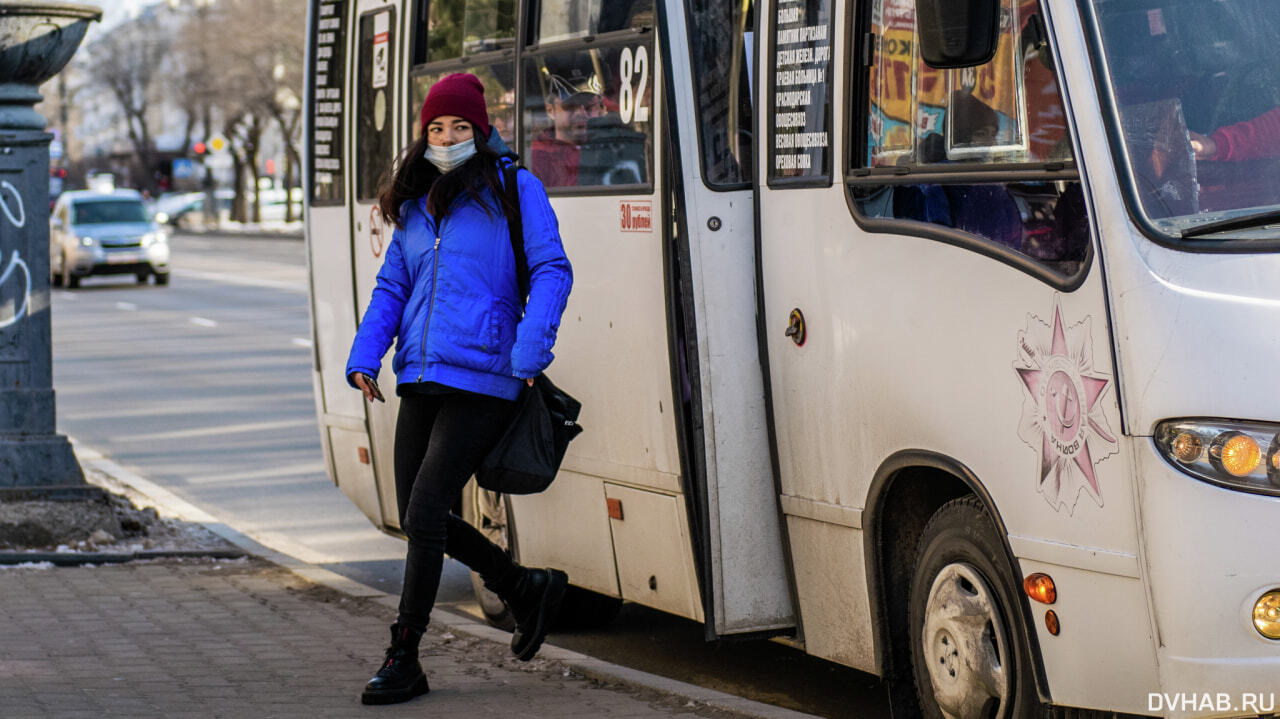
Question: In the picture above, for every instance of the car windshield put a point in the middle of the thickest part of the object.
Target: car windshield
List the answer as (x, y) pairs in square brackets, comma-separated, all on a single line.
[(1196, 88), (100, 211)]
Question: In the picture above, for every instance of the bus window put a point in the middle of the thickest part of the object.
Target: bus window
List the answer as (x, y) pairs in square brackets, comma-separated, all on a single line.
[(570, 19), (589, 116), (457, 30), (951, 123), (721, 46), (328, 131), (1196, 86), (799, 95), (374, 132), (1008, 110), (468, 27), (499, 96)]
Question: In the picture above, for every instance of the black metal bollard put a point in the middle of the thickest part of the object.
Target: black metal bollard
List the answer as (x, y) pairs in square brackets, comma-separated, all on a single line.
[(36, 40)]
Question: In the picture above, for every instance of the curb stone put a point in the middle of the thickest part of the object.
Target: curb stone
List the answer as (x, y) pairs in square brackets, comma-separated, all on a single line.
[(446, 618)]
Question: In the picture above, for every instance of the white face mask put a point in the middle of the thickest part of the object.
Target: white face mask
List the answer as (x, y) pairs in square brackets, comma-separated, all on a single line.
[(448, 157)]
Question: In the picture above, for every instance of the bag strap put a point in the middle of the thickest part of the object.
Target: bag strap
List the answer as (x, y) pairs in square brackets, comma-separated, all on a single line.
[(515, 229)]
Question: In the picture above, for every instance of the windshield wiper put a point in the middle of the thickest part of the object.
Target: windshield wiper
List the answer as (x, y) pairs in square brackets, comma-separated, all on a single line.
[(1257, 219)]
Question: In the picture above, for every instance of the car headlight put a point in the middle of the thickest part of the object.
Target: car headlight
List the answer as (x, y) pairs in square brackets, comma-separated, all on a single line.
[(1236, 455), (154, 238), (86, 241)]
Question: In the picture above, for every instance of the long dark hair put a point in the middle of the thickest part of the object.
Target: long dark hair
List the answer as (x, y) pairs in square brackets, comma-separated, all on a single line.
[(413, 176)]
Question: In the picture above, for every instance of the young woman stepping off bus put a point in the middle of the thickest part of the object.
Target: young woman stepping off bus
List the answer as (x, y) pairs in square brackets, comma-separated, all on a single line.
[(447, 292)]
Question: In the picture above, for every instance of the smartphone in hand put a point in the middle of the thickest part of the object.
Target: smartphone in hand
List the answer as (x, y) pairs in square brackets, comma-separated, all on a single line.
[(373, 385)]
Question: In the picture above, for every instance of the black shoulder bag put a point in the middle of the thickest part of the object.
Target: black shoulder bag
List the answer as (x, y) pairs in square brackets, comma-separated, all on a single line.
[(527, 457)]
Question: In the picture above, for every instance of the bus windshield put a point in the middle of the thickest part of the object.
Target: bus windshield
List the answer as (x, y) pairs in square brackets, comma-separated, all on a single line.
[(1196, 89)]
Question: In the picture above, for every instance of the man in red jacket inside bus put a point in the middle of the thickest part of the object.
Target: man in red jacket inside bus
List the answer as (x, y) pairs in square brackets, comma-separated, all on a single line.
[(1248, 140), (571, 100)]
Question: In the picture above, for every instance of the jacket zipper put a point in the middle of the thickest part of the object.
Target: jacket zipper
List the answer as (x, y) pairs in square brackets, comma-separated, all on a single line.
[(435, 270)]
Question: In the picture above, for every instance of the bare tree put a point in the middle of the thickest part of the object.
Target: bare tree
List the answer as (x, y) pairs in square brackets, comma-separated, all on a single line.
[(129, 61), (194, 58), (259, 56)]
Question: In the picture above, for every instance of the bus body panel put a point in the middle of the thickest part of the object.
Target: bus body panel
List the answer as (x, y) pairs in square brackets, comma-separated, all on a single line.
[(566, 527), (1104, 657), (750, 586), (1176, 304), (612, 353), (335, 321), (1201, 576), (1205, 583), (914, 344), (611, 348)]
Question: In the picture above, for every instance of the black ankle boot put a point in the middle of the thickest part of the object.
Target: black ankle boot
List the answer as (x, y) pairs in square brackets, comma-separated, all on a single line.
[(533, 600), (400, 678)]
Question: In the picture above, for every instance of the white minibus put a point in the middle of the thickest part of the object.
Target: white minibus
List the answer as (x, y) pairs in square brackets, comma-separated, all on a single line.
[(937, 338)]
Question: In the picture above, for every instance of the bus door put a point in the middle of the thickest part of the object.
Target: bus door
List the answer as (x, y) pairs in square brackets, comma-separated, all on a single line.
[(344, 432), (376, 133), (712, 262)]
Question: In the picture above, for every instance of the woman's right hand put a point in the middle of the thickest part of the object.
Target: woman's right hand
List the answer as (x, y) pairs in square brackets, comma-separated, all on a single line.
[(367, 385)]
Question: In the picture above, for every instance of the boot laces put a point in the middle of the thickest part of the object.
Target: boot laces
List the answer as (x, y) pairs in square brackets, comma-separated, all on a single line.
[(396, 657)]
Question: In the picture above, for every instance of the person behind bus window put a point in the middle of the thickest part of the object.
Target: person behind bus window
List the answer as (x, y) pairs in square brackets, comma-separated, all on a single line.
[(1248, 140), (447, 291), (571, 101)]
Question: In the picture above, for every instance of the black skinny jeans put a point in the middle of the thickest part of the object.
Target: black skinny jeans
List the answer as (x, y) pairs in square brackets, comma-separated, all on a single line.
[(440, 441)]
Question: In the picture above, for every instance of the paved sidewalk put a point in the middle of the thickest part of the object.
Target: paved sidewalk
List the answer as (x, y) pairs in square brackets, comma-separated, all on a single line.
[(246, 638)]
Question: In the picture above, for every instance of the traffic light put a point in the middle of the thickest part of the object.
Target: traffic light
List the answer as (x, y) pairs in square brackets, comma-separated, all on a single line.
[(199, 148)]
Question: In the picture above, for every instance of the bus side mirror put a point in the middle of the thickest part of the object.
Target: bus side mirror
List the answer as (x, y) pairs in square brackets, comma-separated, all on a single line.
[(957, 33)]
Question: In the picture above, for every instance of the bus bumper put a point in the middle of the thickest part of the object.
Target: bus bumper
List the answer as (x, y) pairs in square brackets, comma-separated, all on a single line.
[(1210, 554)]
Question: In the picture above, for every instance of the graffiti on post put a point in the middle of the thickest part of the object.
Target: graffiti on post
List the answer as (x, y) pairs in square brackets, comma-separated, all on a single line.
[(19, 220)]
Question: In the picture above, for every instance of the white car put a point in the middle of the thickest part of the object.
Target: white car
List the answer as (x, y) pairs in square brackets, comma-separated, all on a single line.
[(105, 233)]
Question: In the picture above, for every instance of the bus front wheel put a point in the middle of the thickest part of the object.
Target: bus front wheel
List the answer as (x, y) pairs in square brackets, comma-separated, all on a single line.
[(970, 647)]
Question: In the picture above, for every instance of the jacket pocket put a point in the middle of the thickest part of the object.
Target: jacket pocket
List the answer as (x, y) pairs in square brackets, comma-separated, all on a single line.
[(502, 320)]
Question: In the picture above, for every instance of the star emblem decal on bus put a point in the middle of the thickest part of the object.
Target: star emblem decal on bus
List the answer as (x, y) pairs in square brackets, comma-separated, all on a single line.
[(1062, 412)]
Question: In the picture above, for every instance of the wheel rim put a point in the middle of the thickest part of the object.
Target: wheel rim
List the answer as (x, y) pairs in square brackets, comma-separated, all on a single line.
[(965, 645), (491, 516)]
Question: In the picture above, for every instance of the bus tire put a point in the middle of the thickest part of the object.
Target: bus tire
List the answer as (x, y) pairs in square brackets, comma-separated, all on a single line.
[(487, 512), (970, 647)]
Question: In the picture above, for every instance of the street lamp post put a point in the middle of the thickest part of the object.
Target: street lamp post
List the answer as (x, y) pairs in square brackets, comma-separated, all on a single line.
[(36, 40)]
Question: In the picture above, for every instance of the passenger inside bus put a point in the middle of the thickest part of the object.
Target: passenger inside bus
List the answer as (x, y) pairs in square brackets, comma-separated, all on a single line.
[(571, 101), (1214, 64), (1251, 139), (585, 142)]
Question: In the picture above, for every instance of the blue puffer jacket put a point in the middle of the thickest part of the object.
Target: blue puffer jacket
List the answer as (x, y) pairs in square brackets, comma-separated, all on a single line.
[(447, 292)]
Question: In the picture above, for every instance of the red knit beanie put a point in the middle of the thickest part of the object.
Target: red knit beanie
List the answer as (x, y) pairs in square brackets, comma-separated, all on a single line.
[(457, 94)]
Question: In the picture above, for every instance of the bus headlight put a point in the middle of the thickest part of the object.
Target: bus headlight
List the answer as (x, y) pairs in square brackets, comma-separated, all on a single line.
[(1266, 614), (1237, 455)]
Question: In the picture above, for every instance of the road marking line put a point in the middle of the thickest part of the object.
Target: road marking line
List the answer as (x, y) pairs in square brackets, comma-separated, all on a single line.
[(301, 342), (219, 430), (128, 306), (203, 322), (237, 280)]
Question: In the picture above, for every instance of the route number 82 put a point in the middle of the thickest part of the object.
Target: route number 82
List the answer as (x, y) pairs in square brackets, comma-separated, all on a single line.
[(631, 64)]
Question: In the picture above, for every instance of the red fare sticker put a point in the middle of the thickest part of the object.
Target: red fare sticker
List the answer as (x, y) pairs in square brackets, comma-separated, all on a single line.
[(635, 216), (1155, 20)]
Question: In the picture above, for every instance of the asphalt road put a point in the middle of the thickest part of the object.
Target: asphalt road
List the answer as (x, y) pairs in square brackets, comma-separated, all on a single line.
[(204, 387)]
